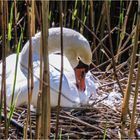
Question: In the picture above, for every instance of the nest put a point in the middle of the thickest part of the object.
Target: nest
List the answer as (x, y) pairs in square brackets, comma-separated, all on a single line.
[(85, 123), (96, 121)]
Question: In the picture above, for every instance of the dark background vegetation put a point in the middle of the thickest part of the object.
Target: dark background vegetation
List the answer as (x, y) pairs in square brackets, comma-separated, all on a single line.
[(82, 10)]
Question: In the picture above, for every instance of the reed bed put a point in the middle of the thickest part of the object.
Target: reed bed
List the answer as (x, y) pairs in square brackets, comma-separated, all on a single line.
[(112, 29)]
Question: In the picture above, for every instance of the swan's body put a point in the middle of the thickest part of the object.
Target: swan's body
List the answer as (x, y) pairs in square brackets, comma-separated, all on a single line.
[(71, 96), (75, 45)]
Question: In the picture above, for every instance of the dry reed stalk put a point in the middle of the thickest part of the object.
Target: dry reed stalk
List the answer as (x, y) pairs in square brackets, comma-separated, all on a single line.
[(37, 15), (83, 3), (46, 108), (111, 46), (65, 12), (102, 26), (1, 32), (103, 39), (100, 19), (121, 52), (33, 17), (122, 35), (31, 29), (1, 93), (121, 49), (4, 15), (39, 99), (132, 124), (128, 39), (61, 74), (93, 29), (126, 99)]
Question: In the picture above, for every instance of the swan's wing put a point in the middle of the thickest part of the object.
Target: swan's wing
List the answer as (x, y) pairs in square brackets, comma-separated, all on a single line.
[(9, 65), (55, 61), (70, 96)]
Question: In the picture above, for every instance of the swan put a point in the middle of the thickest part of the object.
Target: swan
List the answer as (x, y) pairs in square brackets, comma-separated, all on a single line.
[(71, 95)]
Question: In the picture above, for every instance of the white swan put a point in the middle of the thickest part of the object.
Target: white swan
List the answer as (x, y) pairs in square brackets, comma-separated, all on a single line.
[(75, 46), (71, 96)]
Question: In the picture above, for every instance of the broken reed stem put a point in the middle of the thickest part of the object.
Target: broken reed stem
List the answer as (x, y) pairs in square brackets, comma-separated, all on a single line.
[(61, 74), (111, 46), (126, 99), (132, 124), (46, 108)]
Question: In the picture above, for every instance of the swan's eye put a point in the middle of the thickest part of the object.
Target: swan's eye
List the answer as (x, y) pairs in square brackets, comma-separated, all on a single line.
[(78, 58)]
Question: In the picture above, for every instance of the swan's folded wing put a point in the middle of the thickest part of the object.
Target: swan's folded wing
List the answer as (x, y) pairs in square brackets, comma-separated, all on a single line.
[(70, 96)]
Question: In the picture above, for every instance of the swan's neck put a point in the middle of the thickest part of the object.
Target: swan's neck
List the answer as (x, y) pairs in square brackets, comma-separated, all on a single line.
[(36, 51)]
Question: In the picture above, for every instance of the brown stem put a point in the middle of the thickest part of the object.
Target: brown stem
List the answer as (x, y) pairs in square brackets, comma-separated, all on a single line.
[(46, 108), (61, 74)]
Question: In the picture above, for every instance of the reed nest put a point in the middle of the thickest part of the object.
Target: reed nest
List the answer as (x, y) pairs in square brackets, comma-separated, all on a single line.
[(87, 122)]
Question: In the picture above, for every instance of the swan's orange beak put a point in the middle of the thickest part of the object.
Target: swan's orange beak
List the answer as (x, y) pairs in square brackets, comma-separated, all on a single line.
[(80, 78)]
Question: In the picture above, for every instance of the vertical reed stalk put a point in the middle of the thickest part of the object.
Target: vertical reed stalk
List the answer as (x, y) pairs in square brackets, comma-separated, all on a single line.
[(61, 74), (10, 25), (33, 17), (31, 30), (17, 46), (126, 99), (65, 13), (122, 35), (111, 46), (74, 13), (46, 109), (1, 32), (16, 42), (83, 3), (4, 45), (39, 99), (132, 124), (102, 29), (93, 28)]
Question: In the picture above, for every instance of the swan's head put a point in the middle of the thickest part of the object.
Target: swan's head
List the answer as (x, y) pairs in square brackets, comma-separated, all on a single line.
[(79, 49), (80, 57)]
